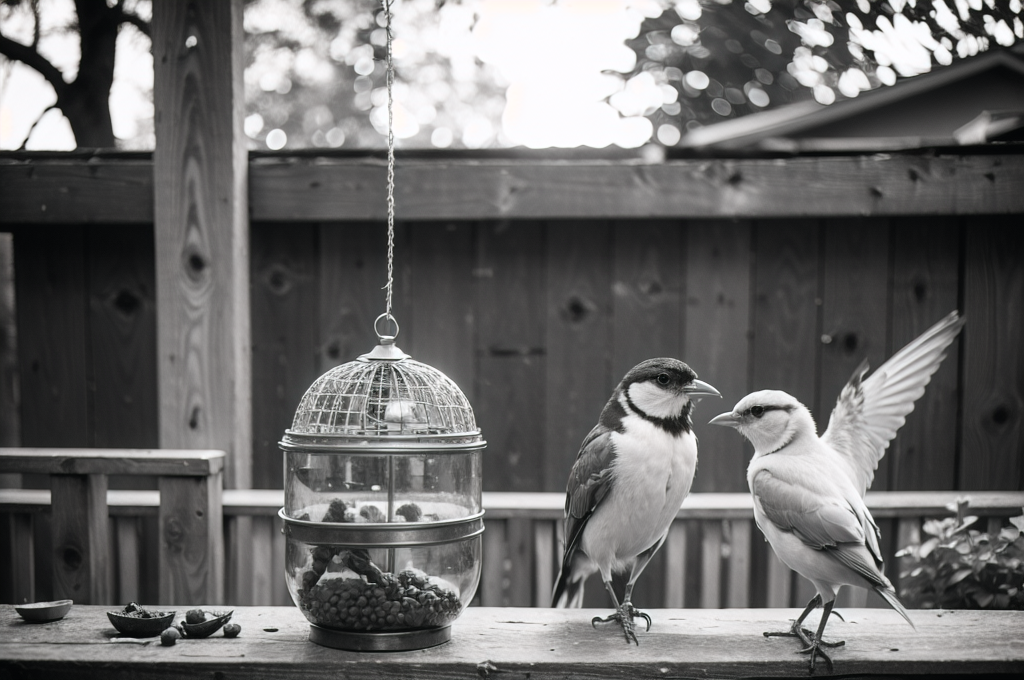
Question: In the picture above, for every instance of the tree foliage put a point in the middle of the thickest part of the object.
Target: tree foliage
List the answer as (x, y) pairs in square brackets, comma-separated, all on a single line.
[(315, 68)]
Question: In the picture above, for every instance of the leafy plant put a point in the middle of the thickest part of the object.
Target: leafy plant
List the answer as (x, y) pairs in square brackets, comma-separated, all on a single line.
[(961, 568)]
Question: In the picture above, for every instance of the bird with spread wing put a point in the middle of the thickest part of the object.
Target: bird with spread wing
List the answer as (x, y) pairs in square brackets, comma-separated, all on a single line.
[(808, 490), (628, 482)]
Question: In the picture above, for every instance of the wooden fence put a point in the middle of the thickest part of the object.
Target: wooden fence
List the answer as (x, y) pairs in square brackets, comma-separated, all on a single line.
[(714, 556), (536, 315)]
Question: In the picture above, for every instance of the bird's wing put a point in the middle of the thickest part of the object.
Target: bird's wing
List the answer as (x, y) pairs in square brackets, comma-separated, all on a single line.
[(869, 412), (589, 482), (828, 524)]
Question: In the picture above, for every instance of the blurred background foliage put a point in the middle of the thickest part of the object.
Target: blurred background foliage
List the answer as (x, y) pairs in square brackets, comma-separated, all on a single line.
[(484, 73)]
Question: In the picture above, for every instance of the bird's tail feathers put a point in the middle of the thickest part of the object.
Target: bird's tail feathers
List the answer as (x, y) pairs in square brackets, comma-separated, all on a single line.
[(889, 595), (568, 590)]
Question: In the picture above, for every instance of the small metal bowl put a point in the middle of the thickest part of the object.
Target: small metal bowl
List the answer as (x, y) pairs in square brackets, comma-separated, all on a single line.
[(208, 627), (44, 612), (136, 626)]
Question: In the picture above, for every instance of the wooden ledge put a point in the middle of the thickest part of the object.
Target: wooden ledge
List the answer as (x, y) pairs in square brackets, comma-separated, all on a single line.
[(71, 461), (528, 643)]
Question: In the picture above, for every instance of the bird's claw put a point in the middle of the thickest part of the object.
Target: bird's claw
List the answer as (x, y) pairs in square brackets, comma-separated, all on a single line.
[(796, 631), (814, 649), (624, 615)]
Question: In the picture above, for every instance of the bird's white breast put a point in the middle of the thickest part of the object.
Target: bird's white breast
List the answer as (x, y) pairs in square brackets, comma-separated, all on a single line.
[(653, 471)]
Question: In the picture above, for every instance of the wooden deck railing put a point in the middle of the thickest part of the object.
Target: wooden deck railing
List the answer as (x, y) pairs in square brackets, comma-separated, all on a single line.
[(714, 556)]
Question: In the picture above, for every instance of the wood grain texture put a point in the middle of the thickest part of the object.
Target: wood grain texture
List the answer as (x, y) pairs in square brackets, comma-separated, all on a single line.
[(579, 333), (187, 463), (541, 643), (202, 232), (81, 569), (512, 351), (926, 282), (353, 272), (718, 343), (648, 289), (10, 407), (285, 329), (122, 337), (452, 188), (191, 540), (52, 332), (48, 190), (855, 312), (993, 355), (442, 308)]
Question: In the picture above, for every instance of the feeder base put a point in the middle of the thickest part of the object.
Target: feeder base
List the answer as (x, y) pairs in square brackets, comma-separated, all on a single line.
[(401, 641)]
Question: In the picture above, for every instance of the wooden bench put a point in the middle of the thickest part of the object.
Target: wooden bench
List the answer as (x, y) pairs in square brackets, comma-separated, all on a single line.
[(191, 552), (518, 643)]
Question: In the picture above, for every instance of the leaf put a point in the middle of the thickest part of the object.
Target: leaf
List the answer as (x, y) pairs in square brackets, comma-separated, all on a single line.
[(959, 576), (1018, 522), (983, 599), (927, 547)]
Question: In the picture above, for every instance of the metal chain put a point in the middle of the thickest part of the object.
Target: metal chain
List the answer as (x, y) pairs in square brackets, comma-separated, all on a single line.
[(391, 160)]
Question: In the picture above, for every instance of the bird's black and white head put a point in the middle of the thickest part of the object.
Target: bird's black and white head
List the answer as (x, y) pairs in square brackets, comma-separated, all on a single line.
[(662, 391), (770, 419)]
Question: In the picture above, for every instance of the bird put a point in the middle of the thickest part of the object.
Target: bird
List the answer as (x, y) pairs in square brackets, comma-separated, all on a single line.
[(808, 491), (630, 477)]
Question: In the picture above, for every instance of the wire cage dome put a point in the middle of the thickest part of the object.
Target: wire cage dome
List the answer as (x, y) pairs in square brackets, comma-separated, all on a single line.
[(384, 393)]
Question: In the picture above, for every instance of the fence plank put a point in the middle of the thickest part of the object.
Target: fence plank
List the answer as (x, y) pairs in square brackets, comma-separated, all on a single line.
[(993, 388), (738, 587), (263, 569), (718, 343), (22, 558), (52, 359), (578, 383), (926, 285), (285, 332), (854, 308), (122, 338), (80, 539), (711, 566), (675, 565), (780, 583), (543, 562), (511, 349), (10, 407), (353, 271), (493, 580), (191, 545), (128, 559), (442, 256), (200, 174), (648, 290)]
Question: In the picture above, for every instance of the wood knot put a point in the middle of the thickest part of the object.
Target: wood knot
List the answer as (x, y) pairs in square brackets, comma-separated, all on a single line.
[(126, 302), (576, 310), (71, 557)]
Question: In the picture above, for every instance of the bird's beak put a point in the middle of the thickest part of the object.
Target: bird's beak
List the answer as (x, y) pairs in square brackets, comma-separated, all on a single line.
[(699, 388), (728, 419)]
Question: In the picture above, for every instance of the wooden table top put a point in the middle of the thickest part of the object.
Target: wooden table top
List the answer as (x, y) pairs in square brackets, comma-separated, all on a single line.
[(508, 643)]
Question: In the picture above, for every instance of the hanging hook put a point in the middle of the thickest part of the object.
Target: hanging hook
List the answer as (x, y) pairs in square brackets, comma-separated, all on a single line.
[(384, 337)]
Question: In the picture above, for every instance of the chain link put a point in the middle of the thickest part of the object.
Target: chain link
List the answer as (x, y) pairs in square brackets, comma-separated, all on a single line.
[(391, 159)]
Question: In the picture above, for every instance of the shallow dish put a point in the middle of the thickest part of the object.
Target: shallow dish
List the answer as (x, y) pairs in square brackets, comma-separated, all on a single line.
[(208, 627), (44, 612), (138, 627)]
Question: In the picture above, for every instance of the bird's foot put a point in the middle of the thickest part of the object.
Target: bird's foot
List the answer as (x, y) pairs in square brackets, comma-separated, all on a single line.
[(625, 616), (795, 631), (814, 649)]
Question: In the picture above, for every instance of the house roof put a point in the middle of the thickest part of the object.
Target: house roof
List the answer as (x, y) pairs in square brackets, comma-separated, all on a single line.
[(805, 125)]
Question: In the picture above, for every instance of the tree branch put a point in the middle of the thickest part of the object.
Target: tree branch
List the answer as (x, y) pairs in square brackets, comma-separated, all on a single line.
[(32, 129), (31, 58), (135, 20)]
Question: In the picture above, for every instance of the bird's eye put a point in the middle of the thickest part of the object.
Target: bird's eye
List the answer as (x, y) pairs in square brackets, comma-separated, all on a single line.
[(663, 378), (757, 411)]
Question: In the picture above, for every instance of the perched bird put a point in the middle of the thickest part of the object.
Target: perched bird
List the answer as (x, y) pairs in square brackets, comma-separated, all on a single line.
[(809, 491), (630, 477)]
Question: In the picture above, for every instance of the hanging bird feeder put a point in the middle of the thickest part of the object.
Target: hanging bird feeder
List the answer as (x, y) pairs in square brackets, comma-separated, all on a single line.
[(382, 514)]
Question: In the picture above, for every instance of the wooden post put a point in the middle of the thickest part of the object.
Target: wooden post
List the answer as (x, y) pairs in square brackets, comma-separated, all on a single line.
[(202, 234)]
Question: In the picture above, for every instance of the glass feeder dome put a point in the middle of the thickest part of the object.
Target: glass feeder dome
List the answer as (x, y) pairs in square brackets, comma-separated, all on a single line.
[(382, 514)]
